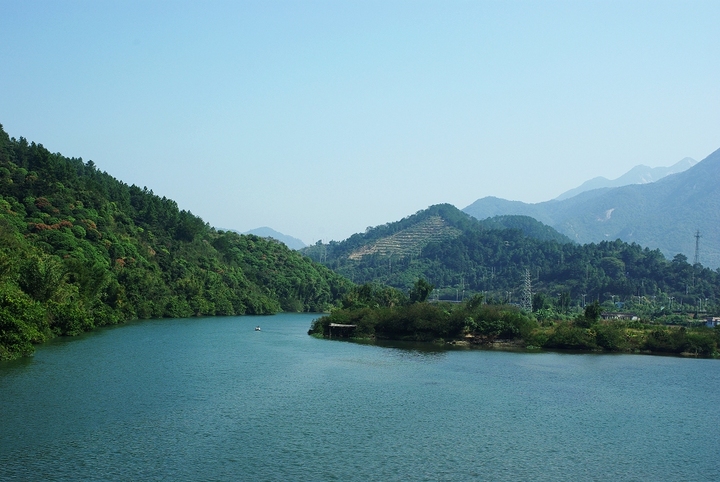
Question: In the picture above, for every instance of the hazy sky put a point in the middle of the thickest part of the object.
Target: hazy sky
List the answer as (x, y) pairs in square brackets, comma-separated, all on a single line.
[(319, 119)]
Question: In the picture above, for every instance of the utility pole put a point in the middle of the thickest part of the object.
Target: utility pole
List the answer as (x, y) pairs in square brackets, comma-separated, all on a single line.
[(527, 293), (697, 247)]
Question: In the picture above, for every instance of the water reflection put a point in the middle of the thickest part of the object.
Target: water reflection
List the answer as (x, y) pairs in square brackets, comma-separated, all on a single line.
[(428, 349), (7, 365), (416, 349)]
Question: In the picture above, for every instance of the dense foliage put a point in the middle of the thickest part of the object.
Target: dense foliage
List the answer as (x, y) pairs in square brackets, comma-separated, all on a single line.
[(384, 313), (566, 275), (530, 227), (387, 313), (80, 249)]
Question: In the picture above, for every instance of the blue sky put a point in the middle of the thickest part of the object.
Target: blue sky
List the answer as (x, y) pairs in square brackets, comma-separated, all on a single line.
[(319, 119)]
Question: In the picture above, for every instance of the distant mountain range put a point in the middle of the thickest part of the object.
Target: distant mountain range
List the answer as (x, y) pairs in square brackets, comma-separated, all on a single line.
[(637, 175), (265, 232), (665, 214)]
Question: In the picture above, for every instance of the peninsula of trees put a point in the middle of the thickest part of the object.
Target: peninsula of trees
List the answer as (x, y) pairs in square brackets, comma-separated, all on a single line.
[(80, 249), (378, 312)]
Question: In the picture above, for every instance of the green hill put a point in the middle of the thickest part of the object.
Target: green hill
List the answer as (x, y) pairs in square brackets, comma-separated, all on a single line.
[(460, 255), (80, 249)]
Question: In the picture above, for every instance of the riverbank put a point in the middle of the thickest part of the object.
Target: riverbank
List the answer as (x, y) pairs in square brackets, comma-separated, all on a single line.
[(503, 327)]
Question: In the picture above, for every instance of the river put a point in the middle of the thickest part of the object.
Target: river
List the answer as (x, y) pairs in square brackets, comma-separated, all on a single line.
[(213, 399)]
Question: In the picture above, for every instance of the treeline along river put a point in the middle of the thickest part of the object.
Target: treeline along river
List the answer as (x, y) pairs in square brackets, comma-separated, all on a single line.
[(212, 399)]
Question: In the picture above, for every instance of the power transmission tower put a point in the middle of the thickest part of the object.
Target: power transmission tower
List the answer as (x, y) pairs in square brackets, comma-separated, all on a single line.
[(697, 247), (526, 302)]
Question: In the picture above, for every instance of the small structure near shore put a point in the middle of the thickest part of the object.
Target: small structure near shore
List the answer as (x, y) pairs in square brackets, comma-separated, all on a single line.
[(712, 321), (608, 315), (343, 331)]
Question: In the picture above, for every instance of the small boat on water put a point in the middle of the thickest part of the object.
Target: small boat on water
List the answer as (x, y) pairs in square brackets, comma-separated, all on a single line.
[(257, 328)]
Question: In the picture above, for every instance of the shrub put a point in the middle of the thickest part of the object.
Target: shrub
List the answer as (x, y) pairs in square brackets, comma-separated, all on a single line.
[(568, 336), (610, 336)]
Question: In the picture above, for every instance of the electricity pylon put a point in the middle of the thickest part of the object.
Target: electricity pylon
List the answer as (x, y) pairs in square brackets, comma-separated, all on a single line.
[(526, 302)]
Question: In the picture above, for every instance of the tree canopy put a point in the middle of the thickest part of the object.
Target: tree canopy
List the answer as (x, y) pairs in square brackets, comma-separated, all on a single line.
[(80, 249)]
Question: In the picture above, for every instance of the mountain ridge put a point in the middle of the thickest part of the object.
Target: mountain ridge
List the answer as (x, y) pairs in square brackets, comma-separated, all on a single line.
[(267, 232), (664, 214), (640, 174)]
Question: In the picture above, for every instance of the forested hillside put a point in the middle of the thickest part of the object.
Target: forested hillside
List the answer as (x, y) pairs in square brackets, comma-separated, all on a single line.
[(495, 261), (530, 227), (80, 249)]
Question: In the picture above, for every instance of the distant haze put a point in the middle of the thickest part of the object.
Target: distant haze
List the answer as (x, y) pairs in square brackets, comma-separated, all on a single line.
[(265, 232), (663, 215), (321, 118), (636, 175)]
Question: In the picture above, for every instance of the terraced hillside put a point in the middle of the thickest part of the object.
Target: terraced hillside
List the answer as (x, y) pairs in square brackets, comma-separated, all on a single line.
[(409, 241), (388, 253)]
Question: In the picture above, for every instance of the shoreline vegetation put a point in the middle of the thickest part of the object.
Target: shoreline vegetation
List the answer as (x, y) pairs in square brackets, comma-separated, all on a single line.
[(80, 249), (372, 312)]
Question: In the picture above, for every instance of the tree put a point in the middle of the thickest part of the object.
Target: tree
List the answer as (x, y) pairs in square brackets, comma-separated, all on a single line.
[(593, 312), (420, 291), (541, 301)]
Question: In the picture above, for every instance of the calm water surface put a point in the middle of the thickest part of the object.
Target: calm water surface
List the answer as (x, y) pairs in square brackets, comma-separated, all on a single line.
[(211, 399)]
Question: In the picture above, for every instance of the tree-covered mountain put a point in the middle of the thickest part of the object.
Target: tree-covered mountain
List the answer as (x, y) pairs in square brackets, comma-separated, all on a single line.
[(404, 238), (408, 237), (637, 175), (456, 253), (80, 249), (530, 227), (665, 214)]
